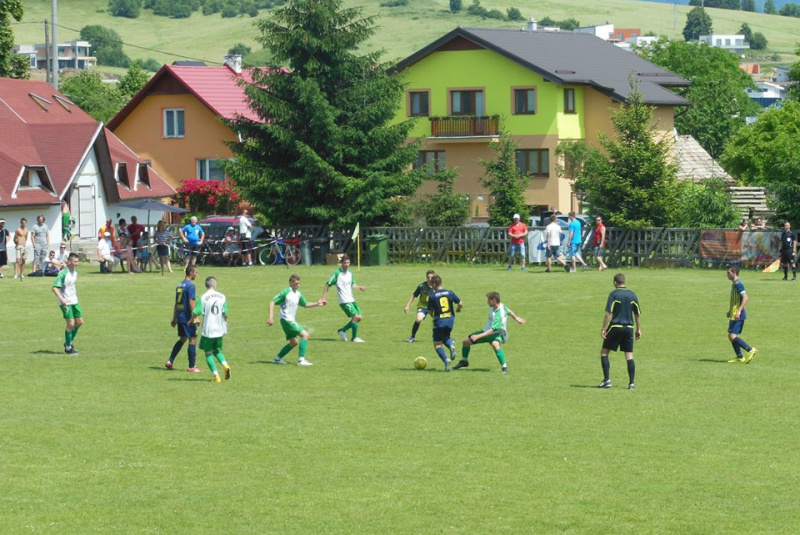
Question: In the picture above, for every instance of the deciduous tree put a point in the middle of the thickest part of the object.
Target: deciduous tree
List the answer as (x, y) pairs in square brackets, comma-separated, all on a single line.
[(698, 23), (11, 65), (504, 181), (327, 151)]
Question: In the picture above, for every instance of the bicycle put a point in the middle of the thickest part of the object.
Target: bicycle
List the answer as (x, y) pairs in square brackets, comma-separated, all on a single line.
[(275, 251)]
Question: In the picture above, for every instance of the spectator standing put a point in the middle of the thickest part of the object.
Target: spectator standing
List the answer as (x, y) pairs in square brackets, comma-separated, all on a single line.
[(553, 234), (788, 251), (575, 242), (66, 221), (108, 227), (518, 232), (40, 235), (21, 248), (599, 242), (246, 235), (135, 231), (4, 237), (192, 235), (163, 239)]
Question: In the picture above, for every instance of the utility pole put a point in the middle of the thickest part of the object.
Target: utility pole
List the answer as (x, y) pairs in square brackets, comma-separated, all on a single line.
[(54, 45), (47, 67)]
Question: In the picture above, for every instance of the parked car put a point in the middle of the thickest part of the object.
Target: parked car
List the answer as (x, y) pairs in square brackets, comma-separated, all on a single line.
[(214, 226)]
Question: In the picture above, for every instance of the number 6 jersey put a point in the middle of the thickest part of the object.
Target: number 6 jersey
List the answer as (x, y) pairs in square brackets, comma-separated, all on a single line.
[(213, 307)]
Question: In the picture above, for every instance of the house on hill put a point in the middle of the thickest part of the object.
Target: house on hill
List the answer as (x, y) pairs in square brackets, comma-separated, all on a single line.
[(176, 119), (52, 151), (541, 88)]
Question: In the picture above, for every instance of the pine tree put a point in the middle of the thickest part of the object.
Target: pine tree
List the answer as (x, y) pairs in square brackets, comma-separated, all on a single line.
[(505, 183), (325, 152)]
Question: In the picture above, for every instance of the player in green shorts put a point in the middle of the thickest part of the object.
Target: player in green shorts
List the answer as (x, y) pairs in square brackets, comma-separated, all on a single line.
[(494, 333), (213, 307), (290, 299), (343, 279), (64, 288)]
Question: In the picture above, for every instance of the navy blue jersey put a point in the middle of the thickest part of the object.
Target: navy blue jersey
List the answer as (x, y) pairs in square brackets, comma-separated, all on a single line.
[(442, 303), (184, 293), (623, 306)]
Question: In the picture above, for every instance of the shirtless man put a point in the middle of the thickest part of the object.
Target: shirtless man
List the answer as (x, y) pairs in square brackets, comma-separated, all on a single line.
[(21, 243)]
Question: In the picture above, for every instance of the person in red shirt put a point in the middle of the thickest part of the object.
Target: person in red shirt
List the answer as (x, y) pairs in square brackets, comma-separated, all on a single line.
[(518, 232), (135, 231), (599, 243)]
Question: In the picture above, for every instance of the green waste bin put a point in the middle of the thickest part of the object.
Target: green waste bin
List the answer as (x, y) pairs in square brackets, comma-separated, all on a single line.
[(378, 249)]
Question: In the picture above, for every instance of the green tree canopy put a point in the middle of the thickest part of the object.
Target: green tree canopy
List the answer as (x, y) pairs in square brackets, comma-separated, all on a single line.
[(749, 5), (11, 65), (132, 81), (706, 204), (106, 45), (758, 41), (769, 8), (719, 107), (505, 183), (746, 31), (87, 89), (698, 23), (327, 152), (632, 180), (794, 77), (125, 8), (765, 154)]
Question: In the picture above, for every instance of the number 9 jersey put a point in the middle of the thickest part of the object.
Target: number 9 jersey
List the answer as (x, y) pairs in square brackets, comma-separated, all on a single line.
[(442, 303)]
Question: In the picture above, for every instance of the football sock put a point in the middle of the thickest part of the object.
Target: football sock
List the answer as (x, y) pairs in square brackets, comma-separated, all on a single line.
[(346, 327), (355, 329), (631, 371), (465, 352), (303, 345), (736, 348), (74, 333), (441, 353), (67, 338), (175, 350), (501, 356), (211, 365), (606, 367), (285, 351), (414, 329), (741, 343), (221, 359), (192, 355)]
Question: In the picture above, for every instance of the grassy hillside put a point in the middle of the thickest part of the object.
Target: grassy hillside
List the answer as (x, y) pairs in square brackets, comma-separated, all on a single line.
[(401, 30)]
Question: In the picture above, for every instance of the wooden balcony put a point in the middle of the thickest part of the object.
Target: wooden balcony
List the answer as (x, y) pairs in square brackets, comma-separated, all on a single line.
[(465, 126)]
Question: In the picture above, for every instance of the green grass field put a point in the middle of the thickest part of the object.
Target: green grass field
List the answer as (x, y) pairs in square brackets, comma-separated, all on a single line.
[(111, 442), (401, 31)]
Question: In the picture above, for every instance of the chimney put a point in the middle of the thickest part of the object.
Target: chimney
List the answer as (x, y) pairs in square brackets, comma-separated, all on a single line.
[(532, 26), (233, 62)]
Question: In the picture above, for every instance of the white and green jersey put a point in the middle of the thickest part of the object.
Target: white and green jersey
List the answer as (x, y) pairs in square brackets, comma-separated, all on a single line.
[(498, 320), (289, 302), (66, 282), (213, 307), (344, 285)]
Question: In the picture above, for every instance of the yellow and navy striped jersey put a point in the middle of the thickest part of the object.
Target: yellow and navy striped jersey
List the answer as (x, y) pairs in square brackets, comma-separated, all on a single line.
[(423, 291), (737, 293)]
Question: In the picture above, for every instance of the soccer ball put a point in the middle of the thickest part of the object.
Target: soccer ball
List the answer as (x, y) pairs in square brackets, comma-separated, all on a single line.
[(420, 363)]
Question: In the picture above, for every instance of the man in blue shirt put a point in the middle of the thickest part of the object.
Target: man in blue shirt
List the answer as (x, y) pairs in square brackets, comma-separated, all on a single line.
[(192, 235), (443, 305), (185, 300), (575, 242)]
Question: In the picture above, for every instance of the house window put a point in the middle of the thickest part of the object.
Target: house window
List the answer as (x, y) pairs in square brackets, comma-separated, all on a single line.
[(433, 160), (467, 102), (122, 174), (173, 123), (211, 170), (525, 101), (534, 162), (144, 176), (569, 100), (32, 177), (418, 104)]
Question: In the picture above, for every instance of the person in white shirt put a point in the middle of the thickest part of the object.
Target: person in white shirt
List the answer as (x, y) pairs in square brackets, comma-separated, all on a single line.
[(290, 299), (246, 235), (105, 254), (343, 279), (213, 307), (553, 233)]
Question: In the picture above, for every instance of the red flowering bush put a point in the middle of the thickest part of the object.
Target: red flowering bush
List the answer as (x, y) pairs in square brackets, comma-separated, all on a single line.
[(207, 197)]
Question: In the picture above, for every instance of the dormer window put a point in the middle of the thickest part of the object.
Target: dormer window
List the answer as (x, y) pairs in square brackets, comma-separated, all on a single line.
[(35, 178), (144, 175), (122, 175)]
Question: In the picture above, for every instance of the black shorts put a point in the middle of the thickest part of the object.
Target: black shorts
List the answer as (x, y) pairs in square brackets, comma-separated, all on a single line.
[(440, 334), (787, 257), (187, 330), (3, 258), (162, 250), (619, 337)]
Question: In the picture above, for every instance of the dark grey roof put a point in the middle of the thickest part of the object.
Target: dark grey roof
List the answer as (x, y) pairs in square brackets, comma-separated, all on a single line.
[(566, 58)]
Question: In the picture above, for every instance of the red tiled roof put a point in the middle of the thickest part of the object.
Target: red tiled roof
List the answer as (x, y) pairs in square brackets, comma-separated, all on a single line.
[(121, 153), (42, 128), (216, 87)]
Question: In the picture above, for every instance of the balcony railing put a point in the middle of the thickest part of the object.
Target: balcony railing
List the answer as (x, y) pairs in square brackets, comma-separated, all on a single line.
[(466, 126)]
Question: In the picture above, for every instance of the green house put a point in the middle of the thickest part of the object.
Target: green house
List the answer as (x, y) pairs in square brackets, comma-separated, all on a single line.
[(541, 87)]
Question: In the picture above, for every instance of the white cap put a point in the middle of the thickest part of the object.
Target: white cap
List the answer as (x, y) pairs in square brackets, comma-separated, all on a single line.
[(516, 216)]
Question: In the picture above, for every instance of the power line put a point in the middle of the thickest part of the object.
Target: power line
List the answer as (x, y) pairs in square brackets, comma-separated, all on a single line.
[(173, 54)]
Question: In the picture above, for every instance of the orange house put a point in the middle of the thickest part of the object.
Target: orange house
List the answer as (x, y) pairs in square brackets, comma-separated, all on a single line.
[(176, 119)]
